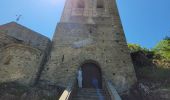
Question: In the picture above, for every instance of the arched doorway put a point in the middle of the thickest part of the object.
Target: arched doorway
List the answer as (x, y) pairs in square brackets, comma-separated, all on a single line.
[(91, 74)]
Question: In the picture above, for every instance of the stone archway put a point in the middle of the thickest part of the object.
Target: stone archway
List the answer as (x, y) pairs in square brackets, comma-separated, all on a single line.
[(91, 74)]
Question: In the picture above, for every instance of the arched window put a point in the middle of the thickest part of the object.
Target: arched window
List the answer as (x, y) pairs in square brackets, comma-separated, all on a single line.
[(80, 4), (100, 4)]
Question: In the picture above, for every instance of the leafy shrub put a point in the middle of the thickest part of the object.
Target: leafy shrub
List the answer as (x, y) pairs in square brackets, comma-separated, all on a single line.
[(163, 48)]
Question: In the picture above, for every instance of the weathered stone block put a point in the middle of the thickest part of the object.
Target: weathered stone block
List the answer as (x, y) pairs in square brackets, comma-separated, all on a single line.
[(19, 63)]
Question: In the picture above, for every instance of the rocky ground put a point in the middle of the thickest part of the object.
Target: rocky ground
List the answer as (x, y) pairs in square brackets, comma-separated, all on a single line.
[(13, 91), (153, 79), (146, 90)]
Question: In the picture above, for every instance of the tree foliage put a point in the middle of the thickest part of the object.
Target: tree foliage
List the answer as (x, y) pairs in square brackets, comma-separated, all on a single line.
[(167, 38), (136, 47), (163, 48)]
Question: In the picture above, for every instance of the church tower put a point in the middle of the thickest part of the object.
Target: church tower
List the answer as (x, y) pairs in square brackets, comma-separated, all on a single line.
[(90, 38)]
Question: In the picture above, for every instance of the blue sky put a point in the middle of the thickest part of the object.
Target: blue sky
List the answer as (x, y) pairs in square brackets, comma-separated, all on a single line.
[(145, 22)]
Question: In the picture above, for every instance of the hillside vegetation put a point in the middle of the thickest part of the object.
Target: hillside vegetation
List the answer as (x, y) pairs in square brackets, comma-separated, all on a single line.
[(152, 68), (159, 55)]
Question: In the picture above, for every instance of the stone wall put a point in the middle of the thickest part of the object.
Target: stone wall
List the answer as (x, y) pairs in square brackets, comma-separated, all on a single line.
[(5, 39), (23, 54), (19, 63), (83, 14), (73, 44), (25, 35), (91, 33)]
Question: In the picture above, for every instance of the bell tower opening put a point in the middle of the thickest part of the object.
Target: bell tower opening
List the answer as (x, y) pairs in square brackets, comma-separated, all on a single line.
[(80, 4), (91, 75), (100, 4)]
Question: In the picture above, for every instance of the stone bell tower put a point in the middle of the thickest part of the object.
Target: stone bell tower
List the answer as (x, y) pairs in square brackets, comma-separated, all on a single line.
[(90, 37)]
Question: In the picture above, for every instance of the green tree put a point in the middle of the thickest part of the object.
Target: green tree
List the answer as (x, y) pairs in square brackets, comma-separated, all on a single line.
[(167, 38), (134, 47), (163, 48)]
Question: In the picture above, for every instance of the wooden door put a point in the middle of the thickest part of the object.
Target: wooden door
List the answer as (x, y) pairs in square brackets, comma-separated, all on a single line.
[(91, 76)]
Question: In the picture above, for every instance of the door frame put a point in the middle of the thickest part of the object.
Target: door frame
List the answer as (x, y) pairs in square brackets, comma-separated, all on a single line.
[(98, 67)]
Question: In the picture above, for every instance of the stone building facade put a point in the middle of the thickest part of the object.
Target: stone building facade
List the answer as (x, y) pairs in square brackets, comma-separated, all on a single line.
[(22, 54), (90, 34), (89, 38)]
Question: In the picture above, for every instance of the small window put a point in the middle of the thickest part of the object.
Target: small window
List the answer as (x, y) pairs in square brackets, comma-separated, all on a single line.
[(80, 4), (90, 30), (63, 58), (100, 4)]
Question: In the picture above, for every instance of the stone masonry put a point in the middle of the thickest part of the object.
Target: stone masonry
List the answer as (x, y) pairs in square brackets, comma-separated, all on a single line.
[(90, 30), (22, 54), (19, 63)]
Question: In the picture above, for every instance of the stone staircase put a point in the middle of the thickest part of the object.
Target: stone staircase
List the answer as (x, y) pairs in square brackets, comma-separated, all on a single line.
[(89, 94)]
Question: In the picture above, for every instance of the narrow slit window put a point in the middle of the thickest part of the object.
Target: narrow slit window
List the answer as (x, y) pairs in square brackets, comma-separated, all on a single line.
[(100, 4), (63, 58), (80, 4)]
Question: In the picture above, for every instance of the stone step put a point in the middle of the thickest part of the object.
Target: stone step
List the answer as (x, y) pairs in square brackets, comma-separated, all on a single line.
[(82, 98), (86, 95), (85, 99), (89, 94), (93, 94), (89, 89), (89, 97)]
